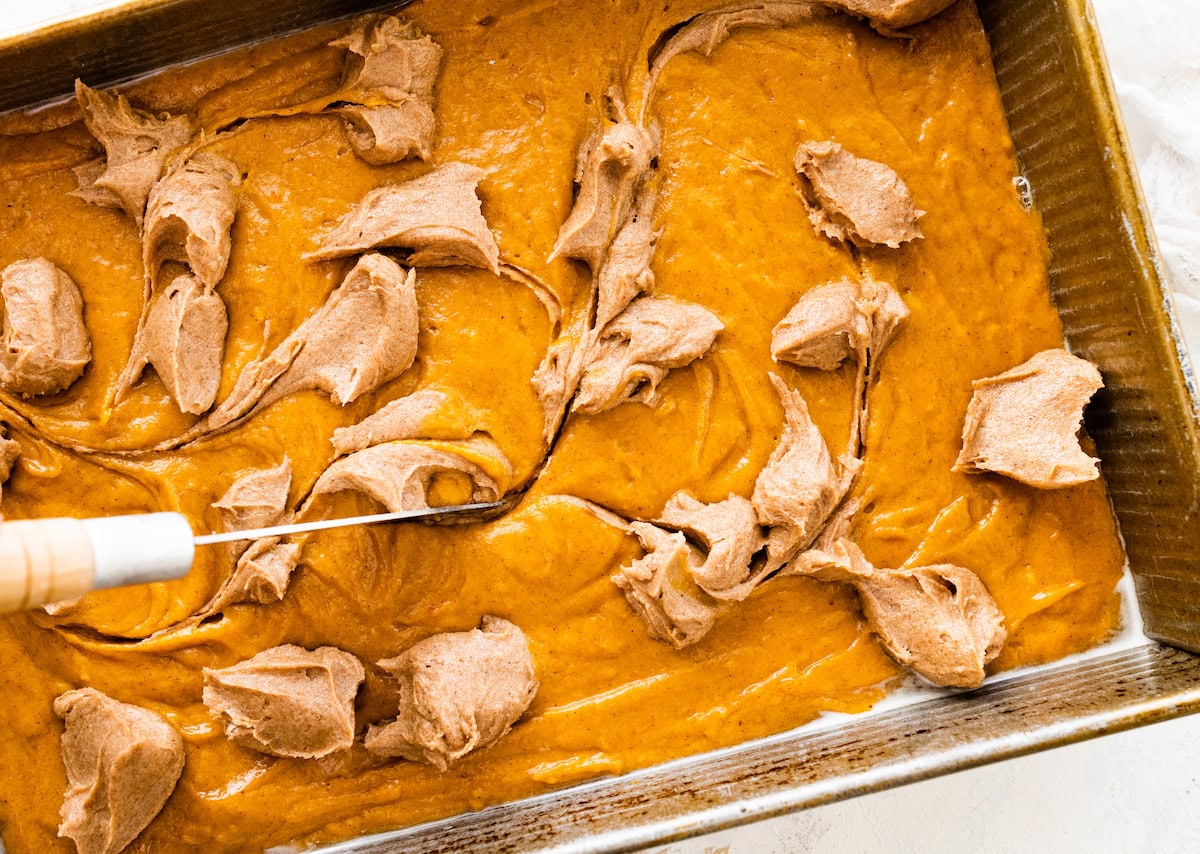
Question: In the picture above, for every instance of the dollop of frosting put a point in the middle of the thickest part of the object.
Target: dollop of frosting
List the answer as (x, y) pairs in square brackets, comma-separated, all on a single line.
[(625, 272), (437, 217), (287, 700), (188, 218), (387, 89), (122, 764), (261, 575), (257, 499), (639, 347), (399, 474), (391, 133), (799, 487), (45, 346), (556, 378), (183, 339), (853, 199), (838, 321), (612, 163), (730, 531), (459, 691), (940, 621), (136, 146), (389, 58), (661, 589), (1024, 423), (10, 449)]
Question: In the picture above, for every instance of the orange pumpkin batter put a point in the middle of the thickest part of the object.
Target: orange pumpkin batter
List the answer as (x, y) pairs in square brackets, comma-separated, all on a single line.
[(520, 83)]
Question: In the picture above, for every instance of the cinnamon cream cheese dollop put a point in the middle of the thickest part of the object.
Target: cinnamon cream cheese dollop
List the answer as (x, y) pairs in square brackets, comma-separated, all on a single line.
[(183, 339), (257, 499), (10, 449), (799, 487), (262, 571), (122, 764), (364, 335), (399, 474), (46, 345), (390, 133), (391, 61), (853, 199), (625, 272), (136, 146), (425, 414), (188, 218), (437, 217), (459, 691), (288, 701), (637, 350), (661, 587), (261, 575), (557, 376), (940, 620), (1024, 423), (838, 321), (730, 531), (611, 165)]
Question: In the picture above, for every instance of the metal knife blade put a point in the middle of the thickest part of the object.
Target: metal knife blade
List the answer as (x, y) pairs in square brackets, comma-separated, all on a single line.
[(428, 515)]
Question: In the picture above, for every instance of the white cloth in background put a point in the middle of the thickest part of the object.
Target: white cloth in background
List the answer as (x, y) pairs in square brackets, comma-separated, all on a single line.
[(1153, 48)]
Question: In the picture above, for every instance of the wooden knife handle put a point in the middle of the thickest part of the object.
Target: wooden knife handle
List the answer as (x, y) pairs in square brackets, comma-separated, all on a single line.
[(44, 560), (48, 560)]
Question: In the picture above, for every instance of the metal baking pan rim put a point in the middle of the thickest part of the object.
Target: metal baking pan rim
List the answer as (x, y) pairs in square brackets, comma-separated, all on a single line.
[(929, 738), (749, 782)]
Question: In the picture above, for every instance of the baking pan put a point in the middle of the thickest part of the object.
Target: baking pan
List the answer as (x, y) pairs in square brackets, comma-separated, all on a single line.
[(1108, 286)]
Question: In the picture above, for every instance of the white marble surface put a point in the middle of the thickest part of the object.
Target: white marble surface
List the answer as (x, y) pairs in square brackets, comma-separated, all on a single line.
[(1133, 792)]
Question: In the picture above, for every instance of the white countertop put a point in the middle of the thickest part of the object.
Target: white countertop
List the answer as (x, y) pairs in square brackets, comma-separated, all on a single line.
[(1137, 791)]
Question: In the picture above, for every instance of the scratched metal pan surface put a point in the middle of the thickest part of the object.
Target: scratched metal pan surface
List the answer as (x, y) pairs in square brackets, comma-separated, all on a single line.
[(1117, 312)]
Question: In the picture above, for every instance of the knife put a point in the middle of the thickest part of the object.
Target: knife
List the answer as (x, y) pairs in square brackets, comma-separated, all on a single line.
[(49, 560)]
